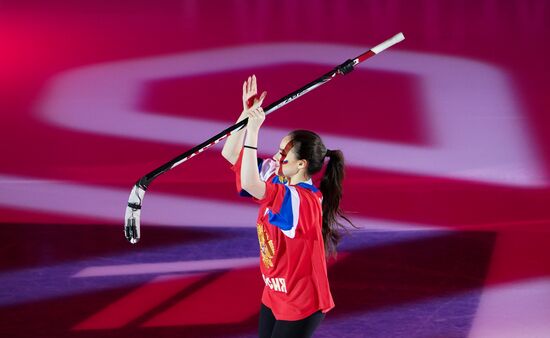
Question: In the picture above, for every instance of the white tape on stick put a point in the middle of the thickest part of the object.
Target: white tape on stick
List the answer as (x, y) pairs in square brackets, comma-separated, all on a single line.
[(388, 43)]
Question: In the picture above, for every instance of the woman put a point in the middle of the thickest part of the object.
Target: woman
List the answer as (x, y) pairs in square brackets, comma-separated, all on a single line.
[(297, 226)]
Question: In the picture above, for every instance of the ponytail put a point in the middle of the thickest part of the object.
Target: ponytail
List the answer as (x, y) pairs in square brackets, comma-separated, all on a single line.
[(310, 147), (331, 187)]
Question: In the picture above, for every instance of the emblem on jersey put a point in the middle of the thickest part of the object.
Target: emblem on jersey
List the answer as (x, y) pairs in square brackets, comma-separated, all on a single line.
[(267, 249), (283, 179)]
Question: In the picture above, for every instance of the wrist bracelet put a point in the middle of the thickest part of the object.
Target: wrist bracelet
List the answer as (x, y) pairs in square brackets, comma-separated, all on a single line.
[(250, 147)]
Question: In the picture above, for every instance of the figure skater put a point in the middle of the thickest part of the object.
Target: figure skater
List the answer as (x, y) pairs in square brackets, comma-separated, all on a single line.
[(297, 222)]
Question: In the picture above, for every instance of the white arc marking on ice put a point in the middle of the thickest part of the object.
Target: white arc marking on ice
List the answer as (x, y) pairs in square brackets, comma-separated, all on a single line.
[(477, 125)]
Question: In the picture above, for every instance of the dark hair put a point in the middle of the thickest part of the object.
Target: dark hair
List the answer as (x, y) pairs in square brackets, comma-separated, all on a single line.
[(309, 146)]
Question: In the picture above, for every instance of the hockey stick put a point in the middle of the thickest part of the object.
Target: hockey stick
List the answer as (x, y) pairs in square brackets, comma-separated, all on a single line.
[(133, 210)]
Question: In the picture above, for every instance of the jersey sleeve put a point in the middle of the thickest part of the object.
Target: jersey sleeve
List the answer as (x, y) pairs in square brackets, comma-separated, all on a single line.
[(266, 167)]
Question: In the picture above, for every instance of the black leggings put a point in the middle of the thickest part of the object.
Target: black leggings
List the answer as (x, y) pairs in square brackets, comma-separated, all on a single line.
[(272, 328)]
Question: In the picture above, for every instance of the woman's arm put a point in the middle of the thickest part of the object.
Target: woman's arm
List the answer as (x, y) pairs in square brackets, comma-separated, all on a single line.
[(233, 144), (250, 177)]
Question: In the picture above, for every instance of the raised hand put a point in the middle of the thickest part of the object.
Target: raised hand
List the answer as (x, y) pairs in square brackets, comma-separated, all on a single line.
[(255, 119), (251, 100)]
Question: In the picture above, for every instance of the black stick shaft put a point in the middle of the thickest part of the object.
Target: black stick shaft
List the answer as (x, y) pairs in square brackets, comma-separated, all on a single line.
[(147, 179), (342, 69)]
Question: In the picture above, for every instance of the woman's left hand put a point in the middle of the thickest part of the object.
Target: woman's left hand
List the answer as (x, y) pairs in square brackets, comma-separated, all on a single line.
[(255, 119)]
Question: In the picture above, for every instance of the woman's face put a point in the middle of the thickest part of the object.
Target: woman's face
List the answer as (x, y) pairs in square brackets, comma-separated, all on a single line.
[(289, 165)]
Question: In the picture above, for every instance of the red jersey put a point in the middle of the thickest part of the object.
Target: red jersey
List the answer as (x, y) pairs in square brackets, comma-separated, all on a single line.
[(292, 252)]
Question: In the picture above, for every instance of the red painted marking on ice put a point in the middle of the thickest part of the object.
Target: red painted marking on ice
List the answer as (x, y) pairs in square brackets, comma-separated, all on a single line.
[(138, 302), (232, 298)]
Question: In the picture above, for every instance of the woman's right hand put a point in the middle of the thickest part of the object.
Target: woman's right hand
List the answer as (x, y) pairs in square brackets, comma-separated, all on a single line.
[(251, 100)]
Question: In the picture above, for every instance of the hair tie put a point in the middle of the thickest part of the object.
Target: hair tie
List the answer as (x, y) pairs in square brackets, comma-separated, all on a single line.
[(327, 154)]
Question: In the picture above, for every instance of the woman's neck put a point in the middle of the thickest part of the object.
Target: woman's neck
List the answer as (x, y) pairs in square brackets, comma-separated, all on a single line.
[(297, 179)]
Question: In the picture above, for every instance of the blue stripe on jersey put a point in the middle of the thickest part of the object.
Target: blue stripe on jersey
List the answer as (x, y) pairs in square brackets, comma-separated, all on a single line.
[(276, 179), (244, 193), (284, 218), (308, 186)]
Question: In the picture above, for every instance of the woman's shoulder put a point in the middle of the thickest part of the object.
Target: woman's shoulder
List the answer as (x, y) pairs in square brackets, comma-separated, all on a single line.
[(309, 192)]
